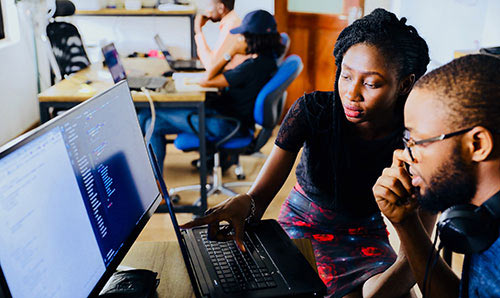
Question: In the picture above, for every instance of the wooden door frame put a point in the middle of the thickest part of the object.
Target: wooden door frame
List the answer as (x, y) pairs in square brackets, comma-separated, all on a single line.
[(281, 11), (313, 75)]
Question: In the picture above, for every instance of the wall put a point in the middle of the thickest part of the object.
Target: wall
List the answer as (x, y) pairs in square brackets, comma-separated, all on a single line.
[(18, 101), (449, 25), (315, 6), (136, 33), (370, 5)]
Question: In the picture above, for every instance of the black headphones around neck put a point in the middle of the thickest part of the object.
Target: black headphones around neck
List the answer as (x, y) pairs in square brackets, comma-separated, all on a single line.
[(470, 229)]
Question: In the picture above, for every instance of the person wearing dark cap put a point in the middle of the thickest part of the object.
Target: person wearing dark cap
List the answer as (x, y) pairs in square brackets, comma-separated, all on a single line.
[(259, 38)]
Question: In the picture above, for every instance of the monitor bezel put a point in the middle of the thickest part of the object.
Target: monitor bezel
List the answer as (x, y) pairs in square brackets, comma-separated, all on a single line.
[(120, 255)]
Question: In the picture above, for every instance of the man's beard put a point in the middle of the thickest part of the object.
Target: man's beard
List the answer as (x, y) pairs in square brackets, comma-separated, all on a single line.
[(453, 184)]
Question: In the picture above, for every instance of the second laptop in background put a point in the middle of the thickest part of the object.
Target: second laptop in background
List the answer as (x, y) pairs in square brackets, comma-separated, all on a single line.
[(118, 71), (178, 65)]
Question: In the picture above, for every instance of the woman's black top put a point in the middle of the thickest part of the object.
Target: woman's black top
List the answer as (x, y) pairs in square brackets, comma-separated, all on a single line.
[(337, 170), (245, 82)]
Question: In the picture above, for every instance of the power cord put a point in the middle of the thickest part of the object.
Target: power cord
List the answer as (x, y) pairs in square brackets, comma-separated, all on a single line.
[(150, 129), (431, 262)]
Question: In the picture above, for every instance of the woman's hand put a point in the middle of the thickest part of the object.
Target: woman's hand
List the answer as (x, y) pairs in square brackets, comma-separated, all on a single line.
[(393, 190), (234, 210), (239, 46)]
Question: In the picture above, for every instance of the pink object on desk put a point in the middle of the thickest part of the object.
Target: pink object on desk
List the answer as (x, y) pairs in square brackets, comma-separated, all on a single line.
[(156, 53)]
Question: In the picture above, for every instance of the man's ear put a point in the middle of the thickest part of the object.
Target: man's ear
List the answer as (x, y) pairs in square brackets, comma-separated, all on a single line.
[(220, 8), (406, 84), (479, 143)]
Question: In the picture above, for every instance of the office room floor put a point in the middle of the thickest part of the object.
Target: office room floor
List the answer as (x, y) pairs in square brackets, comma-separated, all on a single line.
[(178, 171)]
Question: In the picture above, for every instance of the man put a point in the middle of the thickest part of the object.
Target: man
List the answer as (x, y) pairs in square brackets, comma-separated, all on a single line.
[(461, 102), (219, 11)]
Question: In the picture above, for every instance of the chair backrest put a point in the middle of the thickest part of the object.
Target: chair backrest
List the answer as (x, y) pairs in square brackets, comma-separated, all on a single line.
[(267, 109), (66, 42), (285, 40), (271, 99)]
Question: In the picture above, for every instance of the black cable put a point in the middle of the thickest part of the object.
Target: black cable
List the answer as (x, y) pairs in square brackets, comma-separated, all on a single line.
[(428, 266), (432, 268)]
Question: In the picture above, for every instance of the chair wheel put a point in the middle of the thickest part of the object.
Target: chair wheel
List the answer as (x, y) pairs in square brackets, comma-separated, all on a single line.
[(175, 199), (240, 176)]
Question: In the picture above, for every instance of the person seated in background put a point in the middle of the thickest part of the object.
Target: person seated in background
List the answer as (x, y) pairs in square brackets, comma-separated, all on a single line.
[(218, 11), (348, 136), (457, 171), (257, 37)]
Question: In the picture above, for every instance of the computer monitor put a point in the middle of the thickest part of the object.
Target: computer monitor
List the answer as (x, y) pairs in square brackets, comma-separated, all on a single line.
[(74, 195)]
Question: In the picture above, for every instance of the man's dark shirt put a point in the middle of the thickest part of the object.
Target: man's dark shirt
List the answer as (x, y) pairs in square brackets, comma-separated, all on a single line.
[(483, 270)]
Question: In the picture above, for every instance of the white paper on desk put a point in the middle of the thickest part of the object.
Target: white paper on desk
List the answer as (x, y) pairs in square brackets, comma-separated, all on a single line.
[(175, 7), (188, 82)]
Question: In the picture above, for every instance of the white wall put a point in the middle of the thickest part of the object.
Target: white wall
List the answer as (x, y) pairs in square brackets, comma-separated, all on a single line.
[(136, 33), (18, 84), (315, 6), (448, 25)]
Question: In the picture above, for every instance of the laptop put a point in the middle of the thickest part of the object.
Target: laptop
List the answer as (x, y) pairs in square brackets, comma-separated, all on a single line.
[(178, 65), (74, 195), (272, 266), (117, 71)]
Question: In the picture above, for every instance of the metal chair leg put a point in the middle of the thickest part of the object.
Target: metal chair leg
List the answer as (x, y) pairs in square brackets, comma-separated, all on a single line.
[(216, 186)]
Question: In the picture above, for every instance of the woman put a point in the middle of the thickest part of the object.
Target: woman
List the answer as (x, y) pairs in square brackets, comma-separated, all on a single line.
[(259, 39), (348, 137)]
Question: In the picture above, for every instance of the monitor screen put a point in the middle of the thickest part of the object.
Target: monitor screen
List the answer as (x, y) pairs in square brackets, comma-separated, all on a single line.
[(113, 62), (74, 195)]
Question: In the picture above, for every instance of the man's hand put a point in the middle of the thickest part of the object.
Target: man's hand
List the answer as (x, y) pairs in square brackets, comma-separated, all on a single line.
[(393, 190), (199, 21), (233, 210)]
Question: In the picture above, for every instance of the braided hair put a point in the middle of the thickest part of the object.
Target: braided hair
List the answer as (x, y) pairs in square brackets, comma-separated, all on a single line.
[(408, 51), (408, 54)]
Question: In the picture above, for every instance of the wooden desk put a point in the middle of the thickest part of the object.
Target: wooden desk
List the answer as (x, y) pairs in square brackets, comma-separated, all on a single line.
[(74, 90), (166, 259), (145, 12)]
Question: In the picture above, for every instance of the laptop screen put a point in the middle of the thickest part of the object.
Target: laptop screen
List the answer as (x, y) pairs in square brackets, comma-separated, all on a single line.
[(163, 48), (74, 195), (113, 62)]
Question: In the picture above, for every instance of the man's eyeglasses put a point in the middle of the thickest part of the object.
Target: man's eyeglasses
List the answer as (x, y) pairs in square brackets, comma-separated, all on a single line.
[(409, 142)]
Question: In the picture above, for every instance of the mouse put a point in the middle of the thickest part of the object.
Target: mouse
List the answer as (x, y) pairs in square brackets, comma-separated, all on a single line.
[(168, 73)]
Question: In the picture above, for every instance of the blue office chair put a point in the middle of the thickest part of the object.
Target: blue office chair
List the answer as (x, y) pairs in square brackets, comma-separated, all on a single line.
[(267, 111), (285, 39)]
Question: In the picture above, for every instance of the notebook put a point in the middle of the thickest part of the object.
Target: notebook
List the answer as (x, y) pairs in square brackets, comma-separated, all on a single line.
[(189, 82), (271, 267), (178, 65), (117, 71)]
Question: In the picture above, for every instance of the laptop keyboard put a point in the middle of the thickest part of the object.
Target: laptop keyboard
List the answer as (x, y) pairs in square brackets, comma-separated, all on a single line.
[(235, 270)]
